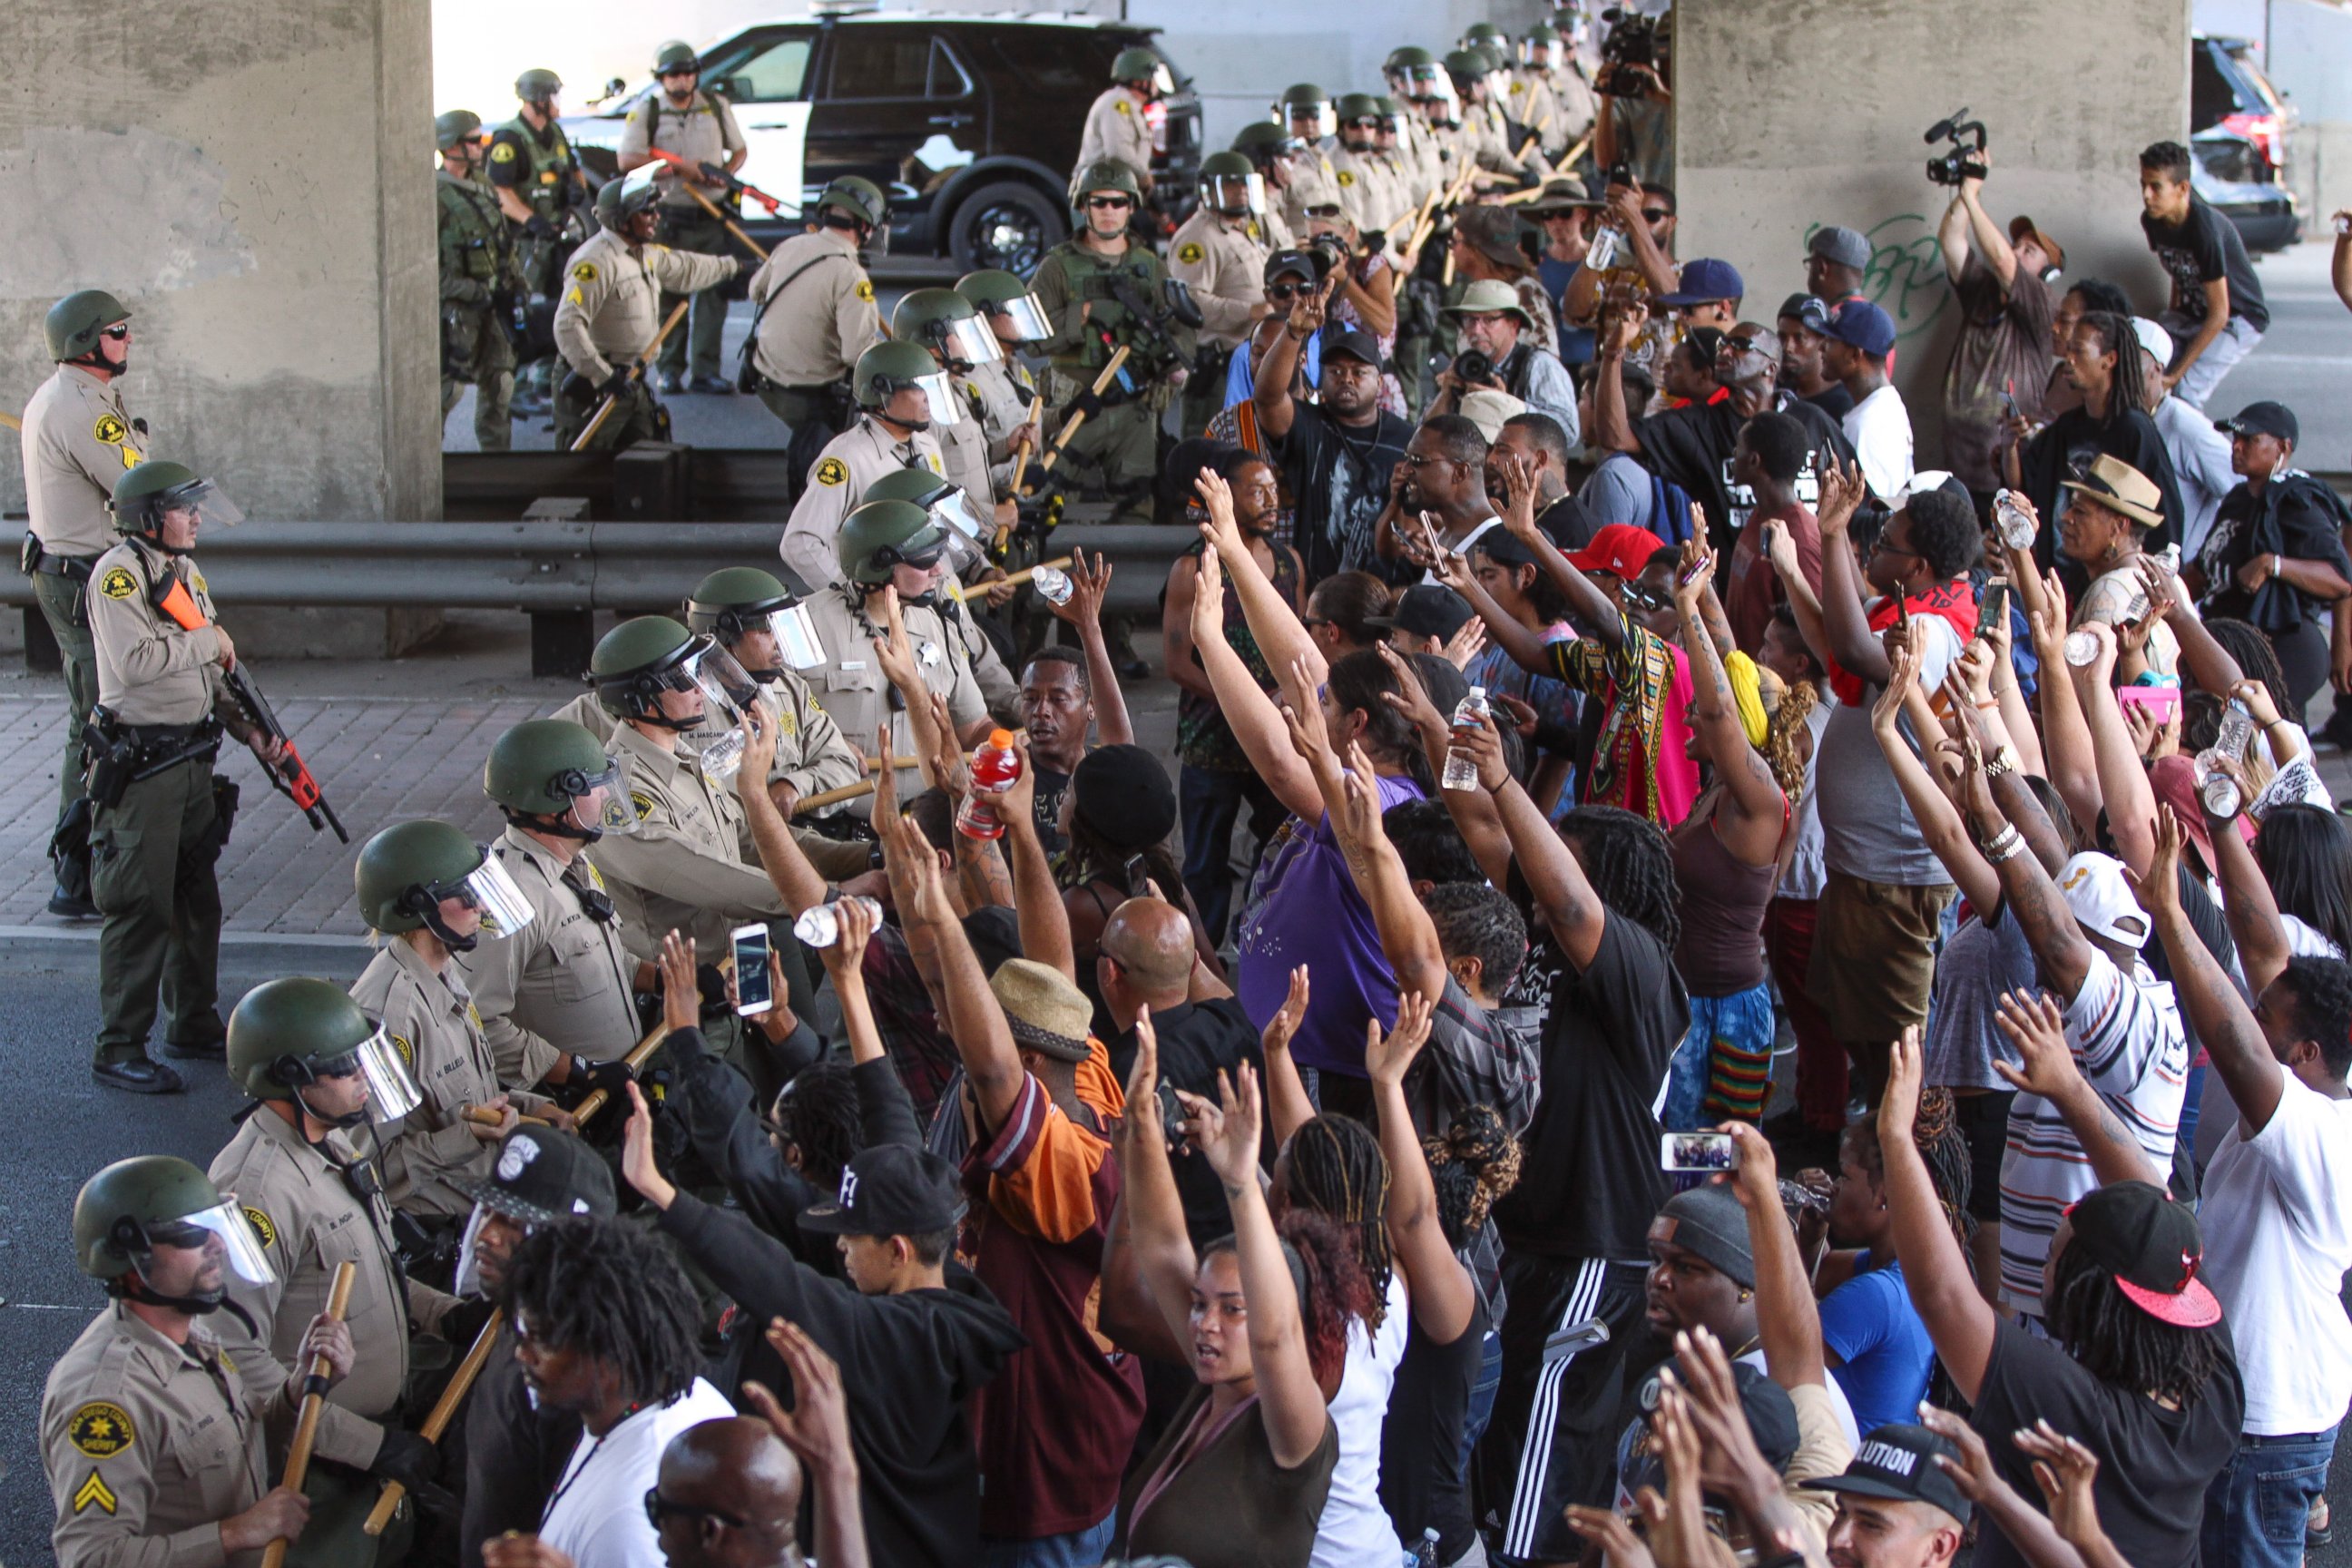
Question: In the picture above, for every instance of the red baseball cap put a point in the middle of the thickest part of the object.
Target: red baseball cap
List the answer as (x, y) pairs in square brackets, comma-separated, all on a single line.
[(1619, 549), (2153, 1247)]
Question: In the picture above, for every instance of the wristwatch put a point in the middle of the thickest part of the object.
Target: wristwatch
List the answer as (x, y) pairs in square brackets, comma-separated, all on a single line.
[(2003, 761)]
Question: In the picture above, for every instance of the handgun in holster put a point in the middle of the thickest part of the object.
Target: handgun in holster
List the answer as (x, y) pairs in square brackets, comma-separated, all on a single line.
[(109, 758)]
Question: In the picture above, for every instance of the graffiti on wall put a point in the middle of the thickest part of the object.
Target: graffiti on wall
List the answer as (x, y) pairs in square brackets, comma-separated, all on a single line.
[(1905, 276)]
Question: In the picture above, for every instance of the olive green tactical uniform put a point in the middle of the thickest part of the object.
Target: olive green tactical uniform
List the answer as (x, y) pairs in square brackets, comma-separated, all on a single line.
[(479, 277), (1115, 451)]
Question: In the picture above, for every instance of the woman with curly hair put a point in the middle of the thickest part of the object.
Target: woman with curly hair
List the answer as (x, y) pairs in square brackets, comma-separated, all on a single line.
[(1240, 1477)]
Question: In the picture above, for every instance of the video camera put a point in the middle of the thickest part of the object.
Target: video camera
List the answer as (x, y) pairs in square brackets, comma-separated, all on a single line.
[(1954, 165), (1633, 42)]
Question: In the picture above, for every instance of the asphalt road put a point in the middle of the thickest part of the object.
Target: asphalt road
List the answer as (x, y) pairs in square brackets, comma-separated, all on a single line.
[(2304, 359)]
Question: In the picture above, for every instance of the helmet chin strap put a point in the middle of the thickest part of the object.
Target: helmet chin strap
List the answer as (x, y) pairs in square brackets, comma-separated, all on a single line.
[(449, 938), (562, 827), (134, 1287), (347, 1121)]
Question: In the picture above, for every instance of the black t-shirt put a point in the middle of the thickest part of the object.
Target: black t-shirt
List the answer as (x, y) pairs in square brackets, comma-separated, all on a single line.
[(1588, 1180), (1051, 787), (1569, 523), (1422, 1484), (1337, 479), (2071, 443), (1692, 447), (2296, 516), (2198, 250), (1196, 1038), (2154, 1463), (1833, 400)]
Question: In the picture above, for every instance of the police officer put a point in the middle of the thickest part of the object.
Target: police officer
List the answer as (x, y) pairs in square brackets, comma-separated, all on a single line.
[(1555, 79), (989, 647), (158, 1445), (1305, 110), (318, 1071), (542, 189), (1219, 254), (894, 544), (432, 891), (683, 868), (1273, 153), (1370, 189), (949, 326), (696, 127), (1417, 80), (740, 607), (1000, 390), (610, 311), (1117, 451), (813, 314), (1486, 137), (480, 280), (902, 394), (1119, 124), (78, 438), (160, 816)]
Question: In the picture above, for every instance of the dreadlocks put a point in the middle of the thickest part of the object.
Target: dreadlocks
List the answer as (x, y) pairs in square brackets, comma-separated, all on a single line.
[(1337, 1169), (1626, 860), (614, 1293), (817, 1114), (1936, 1135), (2121, 1345), (1473, 1163), (2129, 393)]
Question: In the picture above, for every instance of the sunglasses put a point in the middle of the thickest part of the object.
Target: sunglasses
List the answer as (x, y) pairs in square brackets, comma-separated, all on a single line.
[(1655, 215), (118, 332), (1287, 291), (1121, 201), (659, 1507), (1641, 598)]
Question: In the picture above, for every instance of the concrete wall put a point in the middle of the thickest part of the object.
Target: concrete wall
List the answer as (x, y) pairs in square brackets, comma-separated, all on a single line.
[(1790, 114), (254, 180)]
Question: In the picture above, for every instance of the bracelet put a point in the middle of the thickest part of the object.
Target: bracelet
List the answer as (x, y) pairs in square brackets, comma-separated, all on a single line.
[(1983, 706), (2008, 849), (2003, 761)]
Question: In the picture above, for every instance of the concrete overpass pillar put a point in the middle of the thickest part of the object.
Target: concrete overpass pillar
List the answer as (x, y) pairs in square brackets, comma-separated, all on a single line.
[(254, 179), (1795, 115)]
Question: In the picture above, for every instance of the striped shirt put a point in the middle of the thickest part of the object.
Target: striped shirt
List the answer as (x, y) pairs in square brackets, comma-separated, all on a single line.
[(2126, 1039)]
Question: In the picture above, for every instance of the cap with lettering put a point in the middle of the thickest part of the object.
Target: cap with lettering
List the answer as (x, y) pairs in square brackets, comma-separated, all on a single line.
[(1897, 1462), (542, 1173)]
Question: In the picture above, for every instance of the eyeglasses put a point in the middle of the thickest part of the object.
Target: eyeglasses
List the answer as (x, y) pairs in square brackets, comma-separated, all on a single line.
[(1655, 215), (659, 1507), (119, 331), (1743, 348), (1881, 543), (1121, 201)]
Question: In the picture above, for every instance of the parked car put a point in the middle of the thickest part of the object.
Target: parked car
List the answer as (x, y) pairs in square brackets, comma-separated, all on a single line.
[(970, 122), (2228, 92), (2227, 173)]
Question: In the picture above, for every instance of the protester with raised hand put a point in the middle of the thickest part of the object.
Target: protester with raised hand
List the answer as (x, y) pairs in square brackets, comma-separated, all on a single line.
[(816, 1429), (2027, 1532)]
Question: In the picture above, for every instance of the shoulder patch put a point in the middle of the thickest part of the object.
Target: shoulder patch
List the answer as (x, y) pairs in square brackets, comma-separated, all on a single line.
[(502, 153), (937, 467), (787, 722), (1190, 252), (595, 877), (475, 1015), (109, 430), (643, 802), (1346, 176), (865, 290), (1122, 106), (584, 271), (92, 1493), (263, 1227), (400, 1042), (831, 471), (102, 1431), (118, 583)]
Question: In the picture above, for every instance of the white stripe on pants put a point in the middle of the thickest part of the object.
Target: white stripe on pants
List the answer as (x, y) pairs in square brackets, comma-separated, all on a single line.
[(1534, 1457)]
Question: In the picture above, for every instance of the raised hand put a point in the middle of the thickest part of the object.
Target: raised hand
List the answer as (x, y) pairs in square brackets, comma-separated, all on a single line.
[(1519, 496), (1693, 572), (1283, 1027), (1387, 1054), (638, 1154), (1223, 532), (1142, 1121), (1088, 587), (1842, 489), (2037, 1027), (1900, 1108), (1467, 642), (1226, 1130)]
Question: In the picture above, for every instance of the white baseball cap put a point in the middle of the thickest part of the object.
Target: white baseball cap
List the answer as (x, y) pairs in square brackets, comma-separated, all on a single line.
[(2154, 339), (2096, 889)]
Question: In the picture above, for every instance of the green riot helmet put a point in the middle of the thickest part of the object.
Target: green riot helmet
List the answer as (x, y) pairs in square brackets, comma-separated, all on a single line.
[(1359, 118), (1420, 75), (286, 1035), (739, 603), (131, 1207), (945, 503), (1267, 144), (1102, 177), (546, 773), (625, 197), (946, 323), (677, 55), (1390, 112), (538, 86), (1468, 69), (404, 873), (74, 323), (1231, 185), (856, 198), (881, 535), (891, 367), (1304, 102), (143, 495), (1139, 65), (1540, 49), (455, 126), (640, 663), (1003, 296), (1478, 34)]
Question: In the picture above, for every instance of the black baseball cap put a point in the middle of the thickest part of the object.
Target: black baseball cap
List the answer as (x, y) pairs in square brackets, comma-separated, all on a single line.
[(1897, 1462), (890, 1189), (1353, 343), (1567, 522), (542, 1173), (2152, 1246), (1426, 610), (2264, 418), (1771, 1422)]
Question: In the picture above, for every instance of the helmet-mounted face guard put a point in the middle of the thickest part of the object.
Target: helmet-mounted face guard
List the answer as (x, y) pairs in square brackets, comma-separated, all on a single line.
[(1325, 119), (938, 391), (964, 341), (487, 888), (610, 815), (1232, 193), (221, 1231), (1027, 316), (392, 1088), (211, 505), (728, 693)]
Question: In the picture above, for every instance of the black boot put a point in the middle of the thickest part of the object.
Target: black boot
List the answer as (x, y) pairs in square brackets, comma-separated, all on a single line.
[(138, 1075)]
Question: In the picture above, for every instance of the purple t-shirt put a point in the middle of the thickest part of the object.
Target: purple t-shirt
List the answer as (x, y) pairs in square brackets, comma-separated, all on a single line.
[(1308, 912)]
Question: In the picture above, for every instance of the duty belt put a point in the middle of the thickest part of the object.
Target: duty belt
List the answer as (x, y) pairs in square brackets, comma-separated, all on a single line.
[(76, 567)]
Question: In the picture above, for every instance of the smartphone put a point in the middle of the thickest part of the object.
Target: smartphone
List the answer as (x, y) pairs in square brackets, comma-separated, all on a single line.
[(753, 993), (2009, 396), (2163, 702), (1565, 1342), (1992, 610), (1697, 1151)]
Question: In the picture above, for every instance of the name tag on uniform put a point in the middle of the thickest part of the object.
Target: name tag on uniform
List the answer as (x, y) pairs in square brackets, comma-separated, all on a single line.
[(853, 664)]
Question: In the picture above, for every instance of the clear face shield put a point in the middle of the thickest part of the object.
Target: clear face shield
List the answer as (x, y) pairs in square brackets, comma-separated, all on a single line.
[(1236, 192), (1308, 121), (938, 391), (391, 1091), (1027, 318), (969, 342), (728, 693), (490, 890), (1163, 81), (221, 1231), (954, 511), (177, 516), (1539, 55), (598, 803)]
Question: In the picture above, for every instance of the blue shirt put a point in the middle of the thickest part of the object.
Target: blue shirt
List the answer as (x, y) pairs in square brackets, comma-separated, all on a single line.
[(1871, 1326)]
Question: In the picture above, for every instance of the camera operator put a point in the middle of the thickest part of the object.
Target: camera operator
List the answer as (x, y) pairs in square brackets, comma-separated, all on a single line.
[(1643, 219), (1498, 352), (2001, 358), (1366, 300), (1637, 124)]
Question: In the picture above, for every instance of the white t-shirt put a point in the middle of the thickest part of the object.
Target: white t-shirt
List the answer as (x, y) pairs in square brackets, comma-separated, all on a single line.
[(1355, 1529), (2277, 1218), (597, 1514), (2126, 1039), (1838, 1407), (1880, 428)]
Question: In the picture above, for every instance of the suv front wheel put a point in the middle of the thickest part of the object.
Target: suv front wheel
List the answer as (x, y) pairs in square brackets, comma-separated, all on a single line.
[(1008, 225)]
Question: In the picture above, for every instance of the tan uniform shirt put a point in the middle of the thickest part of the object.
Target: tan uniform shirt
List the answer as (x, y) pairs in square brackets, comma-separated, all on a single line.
[(963, 450), (854, 690), (1314, 183), (149, 1445), (704, 131), (611, 307), (431, 1018), (1417, 153), (1533, 105), (1116, 129), (562, 983), (1364, 191), (813, 336), (78, 440), (310, 1220), (1225, 269), (998, 394), (851, 461), (151, 670), (683, 869), (1579, 106)]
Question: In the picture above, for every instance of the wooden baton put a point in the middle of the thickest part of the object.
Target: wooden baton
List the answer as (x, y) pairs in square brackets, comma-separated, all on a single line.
[(979, 590), (858, 790), (1070, 426), (732, 226), (314, 1405), (1021, 459), (484, 1116), (613, 399), (445, 1410)]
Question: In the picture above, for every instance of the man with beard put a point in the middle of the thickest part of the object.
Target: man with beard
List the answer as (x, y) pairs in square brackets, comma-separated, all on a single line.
[(1059, 702), (1440, 488), (1335, 458)]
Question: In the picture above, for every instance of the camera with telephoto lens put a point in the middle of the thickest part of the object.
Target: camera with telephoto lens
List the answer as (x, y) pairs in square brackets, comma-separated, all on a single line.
[(1472, 368), (1632, 43), (1956, 164)]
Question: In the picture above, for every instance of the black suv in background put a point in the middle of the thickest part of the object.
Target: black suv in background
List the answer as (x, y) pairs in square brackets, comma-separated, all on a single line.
[(972, 123)]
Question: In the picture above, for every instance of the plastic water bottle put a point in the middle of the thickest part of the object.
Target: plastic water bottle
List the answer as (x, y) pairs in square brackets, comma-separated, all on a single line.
[(2015, 524), (994, 767), (1461, 768), (2218, 790), (1053, 585), (1607, 241), (820, 927), (723, 758), (1425, 1556)]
